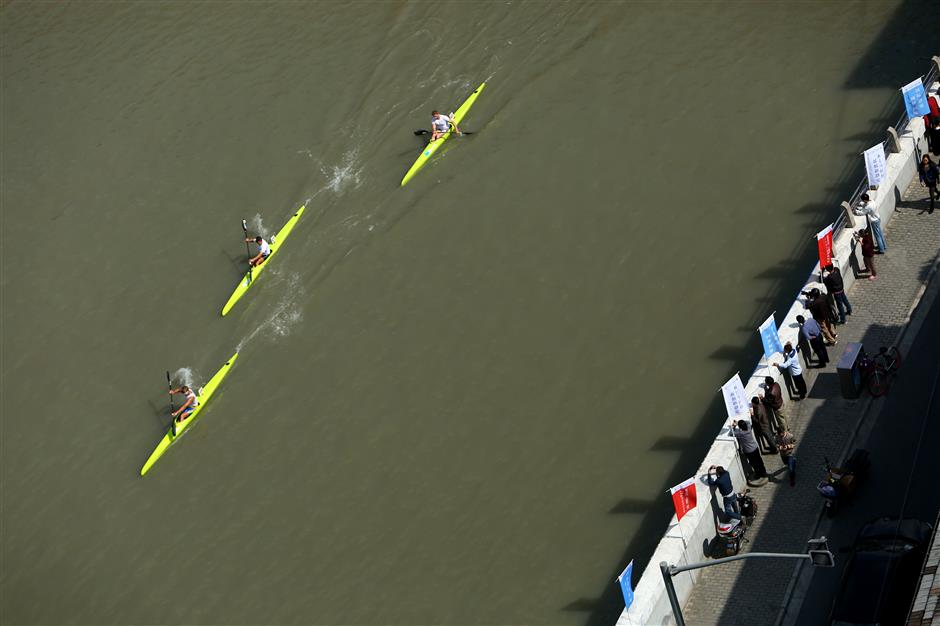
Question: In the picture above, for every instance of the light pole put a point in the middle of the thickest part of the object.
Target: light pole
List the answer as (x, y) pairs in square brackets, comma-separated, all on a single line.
[(817, 553)]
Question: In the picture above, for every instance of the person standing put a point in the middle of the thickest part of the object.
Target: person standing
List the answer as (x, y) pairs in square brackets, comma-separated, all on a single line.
[(803, 347), (929, 178), (786, 444), (749, 448), (719, 477), (762, 429), (868, 252), (819, 308), (773, 400), (866, 208), (811, 331), (791, 364), (933, 134), (836, 286)]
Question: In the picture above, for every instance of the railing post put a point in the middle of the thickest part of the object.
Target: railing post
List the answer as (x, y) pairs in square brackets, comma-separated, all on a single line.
[(850, 217), (894, 142), (671, 592)]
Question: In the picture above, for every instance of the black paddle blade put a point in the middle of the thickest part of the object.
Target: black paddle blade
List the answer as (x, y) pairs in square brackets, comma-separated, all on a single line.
[(427, 132)]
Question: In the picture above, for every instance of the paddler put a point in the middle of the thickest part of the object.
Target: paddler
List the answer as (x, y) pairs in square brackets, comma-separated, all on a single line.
[(440, 124), (189, 405), (264, 251)]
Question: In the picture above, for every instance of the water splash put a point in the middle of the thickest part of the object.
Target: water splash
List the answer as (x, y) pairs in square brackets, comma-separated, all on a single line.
[(184, 376), (256, 226)]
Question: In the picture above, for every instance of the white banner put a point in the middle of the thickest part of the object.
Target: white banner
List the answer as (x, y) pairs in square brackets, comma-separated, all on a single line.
[(875, 164), (735, 399)]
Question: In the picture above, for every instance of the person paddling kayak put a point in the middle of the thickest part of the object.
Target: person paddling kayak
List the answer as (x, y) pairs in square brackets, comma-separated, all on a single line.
[(189, 405), (264, 251), (440, 124)]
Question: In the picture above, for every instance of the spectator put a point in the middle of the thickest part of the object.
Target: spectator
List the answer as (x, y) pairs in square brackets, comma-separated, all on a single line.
[(791, 363), (819, 308), (803, 347), (773, 400), (749, 448), (929, 177), (836, 287), (785, 444), (868, 252), (718, 476), (762, 429), (933, 134), (813, 334), (866, 208)]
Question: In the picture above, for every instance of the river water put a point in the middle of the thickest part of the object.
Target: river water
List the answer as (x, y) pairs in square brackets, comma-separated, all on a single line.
[(457, 402)]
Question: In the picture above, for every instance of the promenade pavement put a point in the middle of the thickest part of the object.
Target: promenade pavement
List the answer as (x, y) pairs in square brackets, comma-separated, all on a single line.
[(754, 592)]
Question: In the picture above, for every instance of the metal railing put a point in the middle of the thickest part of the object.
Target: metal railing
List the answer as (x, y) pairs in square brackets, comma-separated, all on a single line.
[(927, 80)]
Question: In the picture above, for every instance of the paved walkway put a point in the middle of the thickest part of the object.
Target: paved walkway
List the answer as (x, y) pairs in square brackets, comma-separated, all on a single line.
[(753, 592)]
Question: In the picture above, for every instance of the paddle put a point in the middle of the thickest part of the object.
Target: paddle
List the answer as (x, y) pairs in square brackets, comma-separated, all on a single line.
[(169, 386), (427, 132), (247, 247)]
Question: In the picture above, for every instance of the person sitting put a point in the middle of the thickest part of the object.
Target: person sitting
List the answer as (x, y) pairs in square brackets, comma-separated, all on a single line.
[(440, 124), (264, 251)]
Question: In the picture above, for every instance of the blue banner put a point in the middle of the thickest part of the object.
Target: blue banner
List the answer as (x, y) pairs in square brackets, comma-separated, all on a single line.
[(915, 99), (626, 585), (770, 338)]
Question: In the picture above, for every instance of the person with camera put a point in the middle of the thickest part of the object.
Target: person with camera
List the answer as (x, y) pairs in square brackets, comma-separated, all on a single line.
[(819, 309), (719, 477)]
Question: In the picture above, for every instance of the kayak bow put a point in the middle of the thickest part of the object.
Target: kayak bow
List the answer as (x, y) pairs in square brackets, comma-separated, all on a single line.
[(433, 146), (182, 427), (252, 275)]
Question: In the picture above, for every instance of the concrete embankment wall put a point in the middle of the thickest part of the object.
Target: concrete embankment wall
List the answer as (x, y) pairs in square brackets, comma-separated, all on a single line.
[(685, 544)]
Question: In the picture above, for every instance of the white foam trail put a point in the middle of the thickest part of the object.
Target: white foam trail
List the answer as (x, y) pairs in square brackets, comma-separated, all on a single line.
[(286, 315), (346, 175)]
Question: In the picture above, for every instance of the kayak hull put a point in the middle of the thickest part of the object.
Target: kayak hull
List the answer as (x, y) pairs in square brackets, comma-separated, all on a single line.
[(434, 146), (251, 277), (182, 427)]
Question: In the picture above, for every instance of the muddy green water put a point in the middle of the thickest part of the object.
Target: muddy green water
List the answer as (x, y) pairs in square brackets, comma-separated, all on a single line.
[(456, 403)]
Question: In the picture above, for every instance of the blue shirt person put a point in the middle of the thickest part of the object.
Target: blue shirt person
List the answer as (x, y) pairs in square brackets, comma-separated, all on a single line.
[(719, 477)]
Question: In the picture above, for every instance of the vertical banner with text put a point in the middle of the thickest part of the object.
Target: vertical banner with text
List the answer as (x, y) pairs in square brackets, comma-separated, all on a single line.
[(735, 399), (875, 164), (824, 245), (684, 498), (915, 99), (769, 337)]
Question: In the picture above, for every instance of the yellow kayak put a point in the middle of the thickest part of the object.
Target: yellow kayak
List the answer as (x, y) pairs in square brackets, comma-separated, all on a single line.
[(433, 146), (252, 275), (182, 427)]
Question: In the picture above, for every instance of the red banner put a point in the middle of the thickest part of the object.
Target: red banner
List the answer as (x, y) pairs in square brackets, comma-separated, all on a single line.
[(684, 497), (824, 243)]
